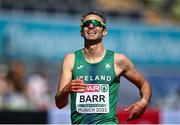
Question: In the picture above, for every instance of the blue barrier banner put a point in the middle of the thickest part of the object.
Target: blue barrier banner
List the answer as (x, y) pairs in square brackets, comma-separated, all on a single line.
[(27, 38), (147, 45)]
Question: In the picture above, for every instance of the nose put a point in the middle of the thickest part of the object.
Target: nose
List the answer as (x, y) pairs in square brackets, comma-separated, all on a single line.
[(91, 25)]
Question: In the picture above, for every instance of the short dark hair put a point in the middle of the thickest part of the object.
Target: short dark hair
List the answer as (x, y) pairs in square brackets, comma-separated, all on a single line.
[(95, 13)]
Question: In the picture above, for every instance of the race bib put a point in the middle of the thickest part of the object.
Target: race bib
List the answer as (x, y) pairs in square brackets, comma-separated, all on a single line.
[(95, 99)]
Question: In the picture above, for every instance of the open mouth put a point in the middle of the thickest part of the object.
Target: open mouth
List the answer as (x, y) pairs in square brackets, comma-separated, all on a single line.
[(91, 32)]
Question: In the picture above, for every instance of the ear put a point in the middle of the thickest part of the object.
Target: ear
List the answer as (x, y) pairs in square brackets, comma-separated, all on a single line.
[(81, 32), (104, 32)]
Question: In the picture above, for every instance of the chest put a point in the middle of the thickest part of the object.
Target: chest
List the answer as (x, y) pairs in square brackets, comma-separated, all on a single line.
[(99, 73)]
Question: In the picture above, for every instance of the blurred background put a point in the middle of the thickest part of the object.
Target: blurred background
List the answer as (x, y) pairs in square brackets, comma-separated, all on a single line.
[(35, 35)]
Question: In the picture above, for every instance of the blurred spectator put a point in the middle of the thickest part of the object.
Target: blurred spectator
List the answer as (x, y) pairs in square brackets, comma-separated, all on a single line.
[(3, 75), (19, 93), (15, 99), (37, 91), (17, 76), (4, 85)]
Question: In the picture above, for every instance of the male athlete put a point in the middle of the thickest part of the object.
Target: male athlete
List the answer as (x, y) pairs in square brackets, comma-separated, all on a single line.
[(91, 77)]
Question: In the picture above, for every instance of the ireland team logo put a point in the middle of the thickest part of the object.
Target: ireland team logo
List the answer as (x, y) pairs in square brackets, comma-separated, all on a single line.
[(108, 66)]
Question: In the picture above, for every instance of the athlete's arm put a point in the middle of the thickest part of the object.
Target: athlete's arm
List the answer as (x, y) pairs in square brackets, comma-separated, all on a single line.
[(66, 84), (133, 75)]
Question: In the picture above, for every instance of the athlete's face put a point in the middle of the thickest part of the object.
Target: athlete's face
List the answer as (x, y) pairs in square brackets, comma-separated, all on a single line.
[(92, 32)]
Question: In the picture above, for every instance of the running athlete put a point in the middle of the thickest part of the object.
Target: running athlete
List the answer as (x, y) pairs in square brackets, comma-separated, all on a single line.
[(91, 77)]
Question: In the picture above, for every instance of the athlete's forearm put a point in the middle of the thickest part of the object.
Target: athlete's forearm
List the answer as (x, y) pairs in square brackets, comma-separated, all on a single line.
[(61, 99), (145, 91)]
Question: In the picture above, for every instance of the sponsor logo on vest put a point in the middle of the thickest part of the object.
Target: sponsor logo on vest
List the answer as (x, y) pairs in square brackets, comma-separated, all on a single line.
[(96, 88), (92, 88), (80, 67)]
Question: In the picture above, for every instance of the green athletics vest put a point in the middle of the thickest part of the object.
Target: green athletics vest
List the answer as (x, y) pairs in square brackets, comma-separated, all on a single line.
[(97, 105)]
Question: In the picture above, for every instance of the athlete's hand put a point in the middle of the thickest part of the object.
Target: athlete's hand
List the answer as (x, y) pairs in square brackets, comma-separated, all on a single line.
[(136, 109), (76, 85)]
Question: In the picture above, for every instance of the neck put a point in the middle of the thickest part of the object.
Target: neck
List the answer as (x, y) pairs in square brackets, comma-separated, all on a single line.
[(94, 53)]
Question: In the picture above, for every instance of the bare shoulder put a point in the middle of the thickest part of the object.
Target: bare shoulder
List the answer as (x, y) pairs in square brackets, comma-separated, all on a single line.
[(122, 60), (68, 61), (69, 56)]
